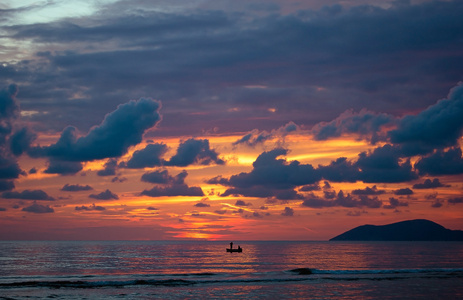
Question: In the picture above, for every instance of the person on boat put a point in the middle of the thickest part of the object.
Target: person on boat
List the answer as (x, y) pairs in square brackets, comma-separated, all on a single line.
[(239, 248), (231, 245)]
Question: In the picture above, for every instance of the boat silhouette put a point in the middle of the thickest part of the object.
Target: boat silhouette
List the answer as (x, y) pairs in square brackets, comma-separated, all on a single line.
[(239, 249)]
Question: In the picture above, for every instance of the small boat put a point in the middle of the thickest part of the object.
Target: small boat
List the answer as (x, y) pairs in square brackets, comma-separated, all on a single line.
[(234, 250)]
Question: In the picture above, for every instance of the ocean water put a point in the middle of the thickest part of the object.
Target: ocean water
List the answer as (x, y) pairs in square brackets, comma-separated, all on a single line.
[(204, 270)]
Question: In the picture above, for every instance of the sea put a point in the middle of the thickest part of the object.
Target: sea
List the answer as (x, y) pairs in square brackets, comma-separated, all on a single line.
[(204, 270)]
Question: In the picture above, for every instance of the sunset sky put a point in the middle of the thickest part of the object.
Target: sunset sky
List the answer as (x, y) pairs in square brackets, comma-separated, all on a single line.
[(228, 120)]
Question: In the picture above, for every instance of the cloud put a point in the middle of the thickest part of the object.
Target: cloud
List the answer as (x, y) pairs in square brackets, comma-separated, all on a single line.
[(174, 190), (351, 55), (21, 140), (241, 203), (163, 177), (403, 192), (394, 203), (6, 185), (194, 151), (56, 166), (150, 156), (253, 138), (76, 187), (38, 209), (271, 176), (368, 191), (342, 200), (456, 200), (90, 208), (440, 125), (12, 142), (28, 195), (428, 184), (383, 165), (288, 212), (119, 130), (256, 137), (448, 162), (437, 203), (364, 123), (275, 173), (9, 107), (310, 187), (202, 204), (119, 179), (170, 186), (106, 195), (109, 168)]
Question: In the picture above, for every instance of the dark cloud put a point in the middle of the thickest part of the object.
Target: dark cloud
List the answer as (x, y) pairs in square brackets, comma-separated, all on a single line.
[(352, 55), (11, 142), (6, 185), (150, 156), (455, 200), (440, 125), (90, 208), (109, 168), (342, 200), (256, 137), (119, 179), (365, 123), (394, 203), (310, 187), (384, 165), (329, 194), (403, 192), (277, 177), (288, 212), (254, 191), (317, 202), (151, 208), (28, 195), (163, 177), (106, 195), (21, 140), (241, 203), (38, 209), (169, 186), (202, 204), (2, 209), (448, 162), (56, 166), (76, 187), (428, 184), (273, 173), (9, 107), (253, 138), (194, 151), (437, 203), (119, 130), (340, 170), (368, 191), (363, 201), (174, 190)]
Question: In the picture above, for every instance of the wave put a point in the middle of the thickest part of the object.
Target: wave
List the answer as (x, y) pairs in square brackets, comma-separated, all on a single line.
[(172, 280)]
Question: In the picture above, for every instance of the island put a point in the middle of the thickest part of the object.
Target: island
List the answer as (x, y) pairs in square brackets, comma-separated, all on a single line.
[(411, 230)]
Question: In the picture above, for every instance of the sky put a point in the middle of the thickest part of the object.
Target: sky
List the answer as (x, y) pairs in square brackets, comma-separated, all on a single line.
[(228, 120)]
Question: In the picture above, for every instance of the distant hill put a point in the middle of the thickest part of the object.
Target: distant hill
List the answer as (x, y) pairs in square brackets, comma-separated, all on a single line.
[(412, 230)]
